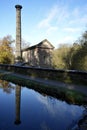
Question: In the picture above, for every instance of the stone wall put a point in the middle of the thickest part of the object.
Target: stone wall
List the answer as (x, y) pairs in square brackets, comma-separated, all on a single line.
[(52, 74), (39, 55)]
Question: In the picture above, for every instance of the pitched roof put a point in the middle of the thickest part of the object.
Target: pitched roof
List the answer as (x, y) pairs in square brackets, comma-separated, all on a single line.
[(39, 45)]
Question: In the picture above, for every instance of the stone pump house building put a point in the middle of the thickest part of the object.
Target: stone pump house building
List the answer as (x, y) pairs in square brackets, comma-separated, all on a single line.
[(39, 55)]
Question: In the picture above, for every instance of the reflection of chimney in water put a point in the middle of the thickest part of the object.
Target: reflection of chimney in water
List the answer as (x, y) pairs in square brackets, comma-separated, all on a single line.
[(18, 30), (18, 99)]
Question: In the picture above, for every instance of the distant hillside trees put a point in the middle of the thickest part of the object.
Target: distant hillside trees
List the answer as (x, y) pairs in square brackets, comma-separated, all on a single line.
[(6, 52), (71, 57)]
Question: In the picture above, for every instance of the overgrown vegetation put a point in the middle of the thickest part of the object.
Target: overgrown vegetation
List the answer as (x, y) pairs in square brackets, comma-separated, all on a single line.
[(71, 57)]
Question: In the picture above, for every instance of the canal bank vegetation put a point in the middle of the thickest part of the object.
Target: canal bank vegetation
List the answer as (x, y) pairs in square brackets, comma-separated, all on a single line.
[(71, 96)]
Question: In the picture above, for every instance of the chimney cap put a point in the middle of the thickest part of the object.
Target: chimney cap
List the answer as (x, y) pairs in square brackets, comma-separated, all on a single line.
[(18, 6)]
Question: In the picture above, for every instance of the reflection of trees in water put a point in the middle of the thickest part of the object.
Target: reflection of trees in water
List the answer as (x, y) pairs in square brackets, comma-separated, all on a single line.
[(7, 87)]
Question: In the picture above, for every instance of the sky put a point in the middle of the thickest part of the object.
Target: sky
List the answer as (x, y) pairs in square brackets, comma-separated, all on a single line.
[(59, 21)]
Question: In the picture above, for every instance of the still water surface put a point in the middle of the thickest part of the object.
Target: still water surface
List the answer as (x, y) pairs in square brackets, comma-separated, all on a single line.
[(22, 108)]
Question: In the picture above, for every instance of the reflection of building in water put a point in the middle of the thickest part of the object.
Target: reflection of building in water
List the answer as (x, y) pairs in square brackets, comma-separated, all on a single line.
[(18, 99)]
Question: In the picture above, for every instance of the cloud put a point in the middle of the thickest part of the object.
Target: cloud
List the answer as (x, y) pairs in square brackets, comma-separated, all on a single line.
[(80, 20), (75, 12), (43, 23), (66, 39), (46, 21), (71, 29), (64, 22), (51, 30)]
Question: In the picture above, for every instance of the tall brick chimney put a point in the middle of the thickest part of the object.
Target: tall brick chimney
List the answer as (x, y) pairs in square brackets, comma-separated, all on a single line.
[(18, 31)]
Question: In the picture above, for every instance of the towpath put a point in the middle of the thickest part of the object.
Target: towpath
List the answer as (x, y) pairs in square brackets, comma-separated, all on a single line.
[(80, 88)]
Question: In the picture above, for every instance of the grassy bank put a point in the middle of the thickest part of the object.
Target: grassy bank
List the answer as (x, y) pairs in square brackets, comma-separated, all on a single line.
[(70, 96)]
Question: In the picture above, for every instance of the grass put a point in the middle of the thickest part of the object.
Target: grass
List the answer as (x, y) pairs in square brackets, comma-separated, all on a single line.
[(64, 94)]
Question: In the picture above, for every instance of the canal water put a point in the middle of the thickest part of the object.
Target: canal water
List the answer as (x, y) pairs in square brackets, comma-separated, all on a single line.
[(22, 108)]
